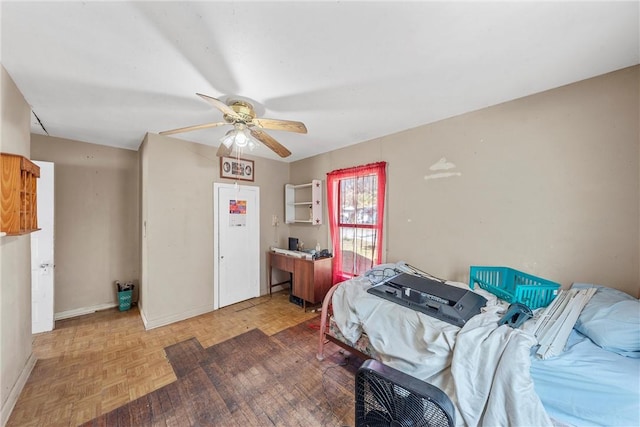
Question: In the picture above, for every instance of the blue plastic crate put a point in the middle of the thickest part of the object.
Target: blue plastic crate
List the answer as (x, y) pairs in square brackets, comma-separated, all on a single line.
[(514, 286)]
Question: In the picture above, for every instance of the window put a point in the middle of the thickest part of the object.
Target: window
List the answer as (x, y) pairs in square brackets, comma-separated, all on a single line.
[(356, 206)]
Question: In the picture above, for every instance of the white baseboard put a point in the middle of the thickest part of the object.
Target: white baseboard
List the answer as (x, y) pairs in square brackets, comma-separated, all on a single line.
[(11, 401), (82, 311), (143, 317), (148, 324), (162, 321)]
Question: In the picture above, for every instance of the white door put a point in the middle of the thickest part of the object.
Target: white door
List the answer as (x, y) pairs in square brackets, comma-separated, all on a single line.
[(236, 243), (42, 264)]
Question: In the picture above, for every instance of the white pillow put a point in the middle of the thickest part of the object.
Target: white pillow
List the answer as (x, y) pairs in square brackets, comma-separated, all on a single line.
[(611, 319)]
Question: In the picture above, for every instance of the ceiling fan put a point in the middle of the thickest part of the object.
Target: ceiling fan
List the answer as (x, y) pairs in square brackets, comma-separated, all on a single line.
[(246, 127)]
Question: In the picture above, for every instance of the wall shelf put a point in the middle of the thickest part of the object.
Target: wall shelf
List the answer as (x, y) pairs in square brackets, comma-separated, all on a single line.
[(18, 188), (303, 203)]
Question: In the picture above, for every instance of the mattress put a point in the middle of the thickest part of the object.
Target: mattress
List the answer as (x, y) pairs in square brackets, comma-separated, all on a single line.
[(363, 345), (589, 386)]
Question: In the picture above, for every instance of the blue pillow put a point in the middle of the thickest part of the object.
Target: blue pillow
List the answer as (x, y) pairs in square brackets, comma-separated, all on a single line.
[(611, 319)]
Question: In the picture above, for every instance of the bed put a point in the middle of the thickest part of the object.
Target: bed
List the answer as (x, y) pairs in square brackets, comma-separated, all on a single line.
[(491, 373)]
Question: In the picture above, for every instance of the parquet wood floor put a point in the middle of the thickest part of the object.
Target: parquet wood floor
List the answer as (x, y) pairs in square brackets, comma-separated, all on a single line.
[(93, 364), (249, 380)]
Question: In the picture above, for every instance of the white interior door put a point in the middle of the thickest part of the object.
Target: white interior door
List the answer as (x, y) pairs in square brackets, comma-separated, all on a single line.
[(42, 264), (236, 243)]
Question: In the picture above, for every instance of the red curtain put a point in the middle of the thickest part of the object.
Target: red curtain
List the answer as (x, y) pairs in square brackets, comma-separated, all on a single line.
[(333, 182)]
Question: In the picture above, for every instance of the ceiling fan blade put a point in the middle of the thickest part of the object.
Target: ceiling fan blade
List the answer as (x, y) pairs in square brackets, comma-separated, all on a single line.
[(286, 125), (190, 128), (267, 140), (220, 105), (224, 151)]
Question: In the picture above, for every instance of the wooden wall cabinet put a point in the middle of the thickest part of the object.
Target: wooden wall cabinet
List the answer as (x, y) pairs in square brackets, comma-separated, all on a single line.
[(18, 190)]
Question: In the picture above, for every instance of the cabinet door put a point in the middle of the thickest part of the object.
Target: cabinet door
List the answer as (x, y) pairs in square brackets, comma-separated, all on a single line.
[(28, 201), (10, 189), (303, 279), (321, 278), (312, 279)]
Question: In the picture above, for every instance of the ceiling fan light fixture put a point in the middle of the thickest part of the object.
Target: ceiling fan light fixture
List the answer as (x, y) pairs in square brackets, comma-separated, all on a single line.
[(228, 138), (241, 137)]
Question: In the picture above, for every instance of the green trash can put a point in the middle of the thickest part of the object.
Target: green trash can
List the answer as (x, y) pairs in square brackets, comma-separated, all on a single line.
[(125, 293), (124, 300)]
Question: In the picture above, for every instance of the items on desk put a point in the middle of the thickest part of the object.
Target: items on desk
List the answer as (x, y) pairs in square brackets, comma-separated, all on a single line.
[(324, 253), (293, 243)]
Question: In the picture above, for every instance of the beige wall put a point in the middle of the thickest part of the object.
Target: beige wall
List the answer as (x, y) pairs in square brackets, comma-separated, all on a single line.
[(177, 217), (16, 359), (547, 184), (96, 221)]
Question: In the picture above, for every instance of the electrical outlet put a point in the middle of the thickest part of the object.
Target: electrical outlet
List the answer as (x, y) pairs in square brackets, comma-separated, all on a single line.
[(274, 220)]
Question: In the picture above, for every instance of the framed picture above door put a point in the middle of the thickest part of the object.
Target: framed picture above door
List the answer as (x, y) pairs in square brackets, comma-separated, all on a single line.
[(236, 168)]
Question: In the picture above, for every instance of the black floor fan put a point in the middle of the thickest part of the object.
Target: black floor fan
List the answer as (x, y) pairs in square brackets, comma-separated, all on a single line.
[(388, 397)]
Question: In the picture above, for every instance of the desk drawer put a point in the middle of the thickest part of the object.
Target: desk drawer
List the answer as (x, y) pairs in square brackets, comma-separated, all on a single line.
[(282, 262)]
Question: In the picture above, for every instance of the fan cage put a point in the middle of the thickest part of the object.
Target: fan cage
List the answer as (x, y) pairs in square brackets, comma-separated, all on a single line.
[(388, 397)]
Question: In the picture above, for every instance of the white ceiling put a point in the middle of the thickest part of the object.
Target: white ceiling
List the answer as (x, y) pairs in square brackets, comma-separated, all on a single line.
[(108, 72)]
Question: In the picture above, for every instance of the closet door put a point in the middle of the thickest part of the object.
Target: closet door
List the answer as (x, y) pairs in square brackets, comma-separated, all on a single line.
[(236, 243)]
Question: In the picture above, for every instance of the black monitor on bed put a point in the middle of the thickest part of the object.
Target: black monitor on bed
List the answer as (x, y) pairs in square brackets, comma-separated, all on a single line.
[(445, 302)]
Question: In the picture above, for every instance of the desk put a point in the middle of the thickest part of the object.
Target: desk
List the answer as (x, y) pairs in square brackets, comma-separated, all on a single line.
[(310, 279)]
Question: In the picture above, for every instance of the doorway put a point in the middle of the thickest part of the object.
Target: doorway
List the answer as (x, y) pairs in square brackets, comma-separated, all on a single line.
[(42, 250), (236, 239)]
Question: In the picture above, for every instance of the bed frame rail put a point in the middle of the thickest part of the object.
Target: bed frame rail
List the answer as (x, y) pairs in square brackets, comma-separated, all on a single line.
[(324, 319), (324, 336)]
